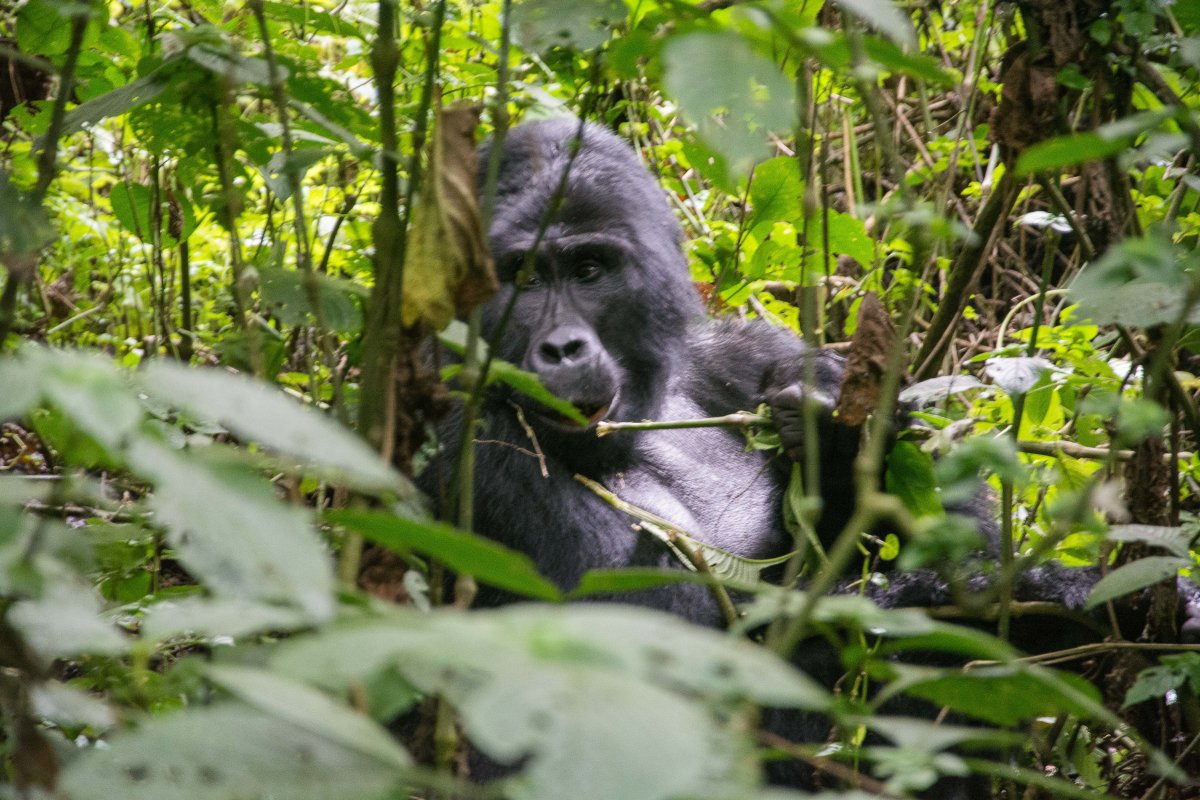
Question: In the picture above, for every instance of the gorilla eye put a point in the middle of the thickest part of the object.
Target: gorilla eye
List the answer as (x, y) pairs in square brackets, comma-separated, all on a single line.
[(588, 271)]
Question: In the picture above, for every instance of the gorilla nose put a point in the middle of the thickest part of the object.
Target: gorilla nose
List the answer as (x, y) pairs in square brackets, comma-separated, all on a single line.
[(565, 346)]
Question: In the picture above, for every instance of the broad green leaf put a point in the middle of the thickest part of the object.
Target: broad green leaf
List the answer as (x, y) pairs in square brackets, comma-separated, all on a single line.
[(734, 95), (549, 682), (1018, 374), (1009, 694), (847, 237), (70, 706), (884, 17), (22, 381), (314, 19), (131, 206), (582, 24), (1134, 576), (233, 67), (232, 532), (614, 581), (310, 710), (1175, 540), (910, 477), (260, 413), (1139, 282), (44, 26), (917, 65), (776, 192), (66, 622), (932, 737), (464, 552), (1107, 140), (635, 642), (833, 50), (930, 392), (285, 296), (226, 751), (90, 392), (118, 101), (214, 617), (1173, 672)]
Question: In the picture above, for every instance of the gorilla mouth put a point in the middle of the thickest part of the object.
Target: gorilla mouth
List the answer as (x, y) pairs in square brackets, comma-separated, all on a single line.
[(594, 413), (593, 410)]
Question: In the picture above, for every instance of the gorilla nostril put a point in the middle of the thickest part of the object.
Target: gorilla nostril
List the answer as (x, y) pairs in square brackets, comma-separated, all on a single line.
[(565, 346)]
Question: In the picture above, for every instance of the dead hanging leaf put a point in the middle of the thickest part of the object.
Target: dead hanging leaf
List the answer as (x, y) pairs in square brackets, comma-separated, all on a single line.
[(873, 341), (447, 269)]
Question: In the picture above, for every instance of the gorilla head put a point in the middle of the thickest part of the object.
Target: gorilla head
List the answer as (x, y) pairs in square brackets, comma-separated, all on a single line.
[(604, 316)]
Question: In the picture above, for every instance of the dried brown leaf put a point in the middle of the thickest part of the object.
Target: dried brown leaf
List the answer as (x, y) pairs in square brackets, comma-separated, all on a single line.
[(447, 269), (866, 363)]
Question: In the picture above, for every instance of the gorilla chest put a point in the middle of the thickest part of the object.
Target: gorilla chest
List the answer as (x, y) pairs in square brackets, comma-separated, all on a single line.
[(705, 482)]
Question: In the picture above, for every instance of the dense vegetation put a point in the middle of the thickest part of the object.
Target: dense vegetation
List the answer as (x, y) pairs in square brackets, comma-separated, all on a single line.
[(187, 608)]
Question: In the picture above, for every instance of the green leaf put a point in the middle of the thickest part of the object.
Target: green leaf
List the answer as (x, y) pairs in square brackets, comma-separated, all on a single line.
[(530, 385), (454, 337), (917, 65), (1174, 540), (260, 413), (930, 392), (233, 67), (66, 622), (43, 27), (310, 710), (776, 192), (1017, 374), (285, 297), (1009, 694), (217, 617), (884, 17), (90, 392), (22, 382), (550, 682), (227, 751), (232, 532), (582, 24), (932, 737), (848, 237), (1152, 683), (463, 552), (1140, 282), (910, 477), (632, 579), (121, 100), (131, 207), (734, 95), (1134, 576), (1107, 140)]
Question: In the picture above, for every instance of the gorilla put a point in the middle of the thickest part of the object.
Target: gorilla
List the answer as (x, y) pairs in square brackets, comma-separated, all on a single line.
[(609, 320)]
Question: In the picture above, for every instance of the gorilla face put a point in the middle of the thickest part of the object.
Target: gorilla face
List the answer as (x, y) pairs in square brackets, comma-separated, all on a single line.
[(602, 320), (562, 322)]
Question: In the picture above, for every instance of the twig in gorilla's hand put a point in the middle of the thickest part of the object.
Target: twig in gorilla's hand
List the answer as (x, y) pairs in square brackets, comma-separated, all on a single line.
[(738, 419)]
